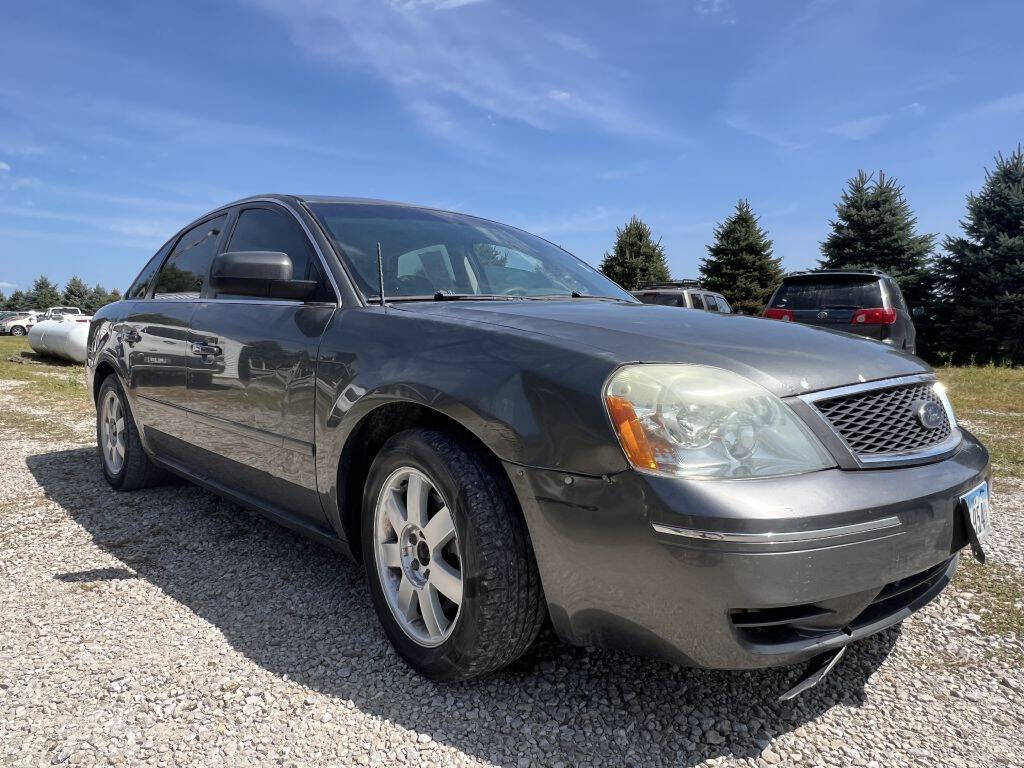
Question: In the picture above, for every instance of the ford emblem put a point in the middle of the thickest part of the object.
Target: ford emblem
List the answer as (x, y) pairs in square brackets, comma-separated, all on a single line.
[(822, 315), (930, 414)]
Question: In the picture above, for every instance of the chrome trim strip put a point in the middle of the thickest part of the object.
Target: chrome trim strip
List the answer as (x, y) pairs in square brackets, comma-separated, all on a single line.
[(881, 524), (890, 459)]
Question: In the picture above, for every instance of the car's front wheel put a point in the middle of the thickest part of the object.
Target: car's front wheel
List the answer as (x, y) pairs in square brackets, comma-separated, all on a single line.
[(125, 464), (448, 560), (17, 331)]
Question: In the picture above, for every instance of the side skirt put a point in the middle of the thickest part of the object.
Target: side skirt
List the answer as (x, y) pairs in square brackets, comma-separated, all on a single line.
[(277, 515)]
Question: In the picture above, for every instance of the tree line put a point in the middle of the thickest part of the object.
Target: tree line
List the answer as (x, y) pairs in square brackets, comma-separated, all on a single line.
[(970, 290), (45, 294)]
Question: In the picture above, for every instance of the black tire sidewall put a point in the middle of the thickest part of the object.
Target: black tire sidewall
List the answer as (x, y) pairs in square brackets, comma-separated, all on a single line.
[(443, 662)]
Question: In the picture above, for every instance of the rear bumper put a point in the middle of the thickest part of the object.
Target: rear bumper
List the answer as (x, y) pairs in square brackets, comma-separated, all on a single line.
[(802, 564)]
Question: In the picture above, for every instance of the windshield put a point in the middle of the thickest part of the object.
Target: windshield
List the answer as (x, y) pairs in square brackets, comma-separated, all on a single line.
[(855, 293), (426, 251)]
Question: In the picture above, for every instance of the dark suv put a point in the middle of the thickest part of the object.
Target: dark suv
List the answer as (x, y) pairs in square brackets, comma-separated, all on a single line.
[(868, 303), (683, 293)]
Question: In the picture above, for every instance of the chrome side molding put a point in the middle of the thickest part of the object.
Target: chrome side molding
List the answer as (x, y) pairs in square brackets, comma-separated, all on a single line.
[(882, 524)]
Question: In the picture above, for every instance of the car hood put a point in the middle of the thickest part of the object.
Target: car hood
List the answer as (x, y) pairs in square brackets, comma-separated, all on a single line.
[(786, 358)]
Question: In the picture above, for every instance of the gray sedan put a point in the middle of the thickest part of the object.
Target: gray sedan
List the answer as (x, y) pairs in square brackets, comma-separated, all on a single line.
[(501, 435)]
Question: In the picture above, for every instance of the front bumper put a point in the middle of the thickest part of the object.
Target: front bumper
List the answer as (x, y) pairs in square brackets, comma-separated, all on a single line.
[(803, 564)]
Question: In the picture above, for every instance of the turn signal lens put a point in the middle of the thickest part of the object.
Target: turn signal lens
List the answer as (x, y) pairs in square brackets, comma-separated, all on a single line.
[(630, 433)]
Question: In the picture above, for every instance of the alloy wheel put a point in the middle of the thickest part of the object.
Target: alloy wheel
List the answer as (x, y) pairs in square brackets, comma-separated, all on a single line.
[(419, 561), (112, 432)]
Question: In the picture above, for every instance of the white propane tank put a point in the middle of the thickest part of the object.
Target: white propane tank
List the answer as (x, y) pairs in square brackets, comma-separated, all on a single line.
[(61, 338)]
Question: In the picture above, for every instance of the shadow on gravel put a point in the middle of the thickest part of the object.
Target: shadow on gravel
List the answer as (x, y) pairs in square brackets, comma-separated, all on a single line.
[(301, 610)]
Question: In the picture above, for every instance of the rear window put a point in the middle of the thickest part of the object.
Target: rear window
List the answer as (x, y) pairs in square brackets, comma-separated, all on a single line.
[(665, 299), (829, 293)]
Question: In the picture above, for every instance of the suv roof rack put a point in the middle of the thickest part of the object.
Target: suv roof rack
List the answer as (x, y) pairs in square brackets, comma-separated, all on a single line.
[(869, 271), (689, 283)]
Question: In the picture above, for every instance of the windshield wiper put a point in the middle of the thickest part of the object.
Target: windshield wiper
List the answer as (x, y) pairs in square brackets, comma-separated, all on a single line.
[(451, 296), (578, 295)]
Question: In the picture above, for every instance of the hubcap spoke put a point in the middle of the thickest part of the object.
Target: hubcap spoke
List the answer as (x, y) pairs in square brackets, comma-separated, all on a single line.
[(406, 598), (446, 580), (392, 554), (430, 609), (395, 514), (416, 501), (439, 530)]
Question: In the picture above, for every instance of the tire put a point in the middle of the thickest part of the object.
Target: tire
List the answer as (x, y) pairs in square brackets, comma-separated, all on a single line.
[(502, 605), (17, 331), (135, 470)]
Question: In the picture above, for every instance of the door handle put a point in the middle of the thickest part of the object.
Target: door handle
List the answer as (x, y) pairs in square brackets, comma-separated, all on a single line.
[(206, 350)]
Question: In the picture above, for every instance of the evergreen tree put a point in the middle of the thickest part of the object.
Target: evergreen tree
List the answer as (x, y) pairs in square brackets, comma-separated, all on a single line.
[(97, 298), (17, 300), (875, 228), (740, 264), (3, 299), (76, 293), (636, 258), (44, 294), (981, 274)]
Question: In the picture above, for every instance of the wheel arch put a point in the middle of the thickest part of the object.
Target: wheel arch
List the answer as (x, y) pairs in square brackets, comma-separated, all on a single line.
[(369, 435), (103, 369)]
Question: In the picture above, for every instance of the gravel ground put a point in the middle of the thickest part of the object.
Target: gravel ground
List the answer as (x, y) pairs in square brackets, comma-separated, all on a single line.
[(168, 627)]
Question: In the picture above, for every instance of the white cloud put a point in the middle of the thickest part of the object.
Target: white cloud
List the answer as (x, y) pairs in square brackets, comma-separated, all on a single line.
[(6, 286), (448, 54), (860, 128), (4, 167)]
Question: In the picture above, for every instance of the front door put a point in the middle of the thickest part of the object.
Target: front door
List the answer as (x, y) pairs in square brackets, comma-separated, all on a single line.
[(252, 373)]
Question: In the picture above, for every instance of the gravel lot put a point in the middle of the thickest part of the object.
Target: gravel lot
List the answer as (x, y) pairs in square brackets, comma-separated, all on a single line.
[(168, 627)]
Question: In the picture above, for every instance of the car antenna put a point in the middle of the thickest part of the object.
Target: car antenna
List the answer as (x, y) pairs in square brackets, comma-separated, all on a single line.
[(380, 272)]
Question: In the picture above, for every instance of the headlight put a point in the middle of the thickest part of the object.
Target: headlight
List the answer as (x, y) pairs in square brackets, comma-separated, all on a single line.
[(696, 421)]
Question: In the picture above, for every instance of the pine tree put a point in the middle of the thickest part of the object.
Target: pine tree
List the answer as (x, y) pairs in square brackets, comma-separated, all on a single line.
[(875, 228), (740, 264), (636, 258), (76, 293), (44, 294), (98, 297), (3, 299), (981, 273), (17, 300)]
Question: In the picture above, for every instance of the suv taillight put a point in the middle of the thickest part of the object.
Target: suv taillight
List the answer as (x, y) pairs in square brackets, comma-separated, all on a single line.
[(873, 316), (775, 313)]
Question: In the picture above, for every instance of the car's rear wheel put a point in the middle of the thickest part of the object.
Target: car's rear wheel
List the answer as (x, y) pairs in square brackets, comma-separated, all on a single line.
[(448, 561), (17, 331), (125, 464)]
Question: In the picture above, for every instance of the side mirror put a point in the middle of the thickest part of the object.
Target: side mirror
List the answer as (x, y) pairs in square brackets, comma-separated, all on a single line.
[(917, 312), (267, 274)]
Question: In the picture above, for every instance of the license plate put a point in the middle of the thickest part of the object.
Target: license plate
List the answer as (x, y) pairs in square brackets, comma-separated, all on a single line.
[(976, 502)]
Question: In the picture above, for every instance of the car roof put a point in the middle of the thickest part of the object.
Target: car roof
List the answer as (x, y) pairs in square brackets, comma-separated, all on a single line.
[(811, 273)]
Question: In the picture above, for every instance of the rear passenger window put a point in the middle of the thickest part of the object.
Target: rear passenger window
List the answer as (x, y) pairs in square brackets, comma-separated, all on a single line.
[(710, 303), (263, 229), (184, 272), (723, 305)]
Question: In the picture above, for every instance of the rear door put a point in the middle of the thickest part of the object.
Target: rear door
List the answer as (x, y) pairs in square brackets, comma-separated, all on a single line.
[(830, 301), (154, 337), (252, 372)]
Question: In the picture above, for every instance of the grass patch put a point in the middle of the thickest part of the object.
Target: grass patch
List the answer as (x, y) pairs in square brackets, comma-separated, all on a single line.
[(991, 400), (46, 379), (999, 590)]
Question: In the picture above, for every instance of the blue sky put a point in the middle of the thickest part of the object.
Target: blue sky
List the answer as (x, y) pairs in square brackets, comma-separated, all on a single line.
[(119, 122)]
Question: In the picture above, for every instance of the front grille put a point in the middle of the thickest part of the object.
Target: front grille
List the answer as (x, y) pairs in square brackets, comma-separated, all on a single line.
[(882, 421)]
